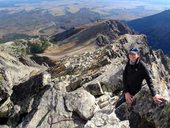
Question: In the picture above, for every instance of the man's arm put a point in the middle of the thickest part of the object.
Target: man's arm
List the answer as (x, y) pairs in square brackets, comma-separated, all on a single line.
[(125, 87), (148, 79), (157, 98), (128, 96)]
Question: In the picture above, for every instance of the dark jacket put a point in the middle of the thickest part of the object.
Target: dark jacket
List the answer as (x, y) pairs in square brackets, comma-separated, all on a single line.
[(133, 76)]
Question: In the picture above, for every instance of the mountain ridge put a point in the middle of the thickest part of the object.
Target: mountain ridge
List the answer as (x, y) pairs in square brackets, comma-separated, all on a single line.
[(157, 28), (81, 90), (89, 36)]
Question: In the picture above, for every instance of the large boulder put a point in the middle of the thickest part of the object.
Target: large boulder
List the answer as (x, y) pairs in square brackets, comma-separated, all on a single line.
[(81, 102), (109, 81)]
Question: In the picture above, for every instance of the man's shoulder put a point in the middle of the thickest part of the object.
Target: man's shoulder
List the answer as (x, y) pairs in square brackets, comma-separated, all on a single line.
[(127, 62), (142, 64)]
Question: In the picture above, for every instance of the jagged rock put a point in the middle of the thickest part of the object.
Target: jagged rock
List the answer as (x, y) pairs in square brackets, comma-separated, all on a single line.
[(95, 89), (62, 86), (57, 115), (102, 40), (164, 59), (4, 126), (75, 83), (46, 78), (81, 64), (46, 109), (156, 114), (109, 81), (58, 70), (82, 102), (13, 72), (105, 100), (106, 118), (26, 101), (104, 61), (42, 110), (146, 112), (28, 61), (4, 95), (78, 82), (5, 108)]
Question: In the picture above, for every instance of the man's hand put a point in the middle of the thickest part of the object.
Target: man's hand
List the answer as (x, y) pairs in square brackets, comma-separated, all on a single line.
[(158, 99), (129, 98)]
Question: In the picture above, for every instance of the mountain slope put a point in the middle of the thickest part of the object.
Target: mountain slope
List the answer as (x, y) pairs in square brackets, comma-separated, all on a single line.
[(36, 22), (81, 90), (157, 29), (87, 37), (27, 18)]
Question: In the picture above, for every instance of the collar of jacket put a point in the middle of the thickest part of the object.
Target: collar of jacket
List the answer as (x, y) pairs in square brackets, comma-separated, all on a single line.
[(132, 63)]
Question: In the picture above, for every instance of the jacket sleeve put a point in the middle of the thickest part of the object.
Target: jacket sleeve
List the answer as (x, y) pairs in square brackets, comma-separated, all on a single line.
[(148, 79), (125, 87)]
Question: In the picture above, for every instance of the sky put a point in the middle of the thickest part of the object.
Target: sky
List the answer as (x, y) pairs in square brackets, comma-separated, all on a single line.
[(147, 1), (148, 4)]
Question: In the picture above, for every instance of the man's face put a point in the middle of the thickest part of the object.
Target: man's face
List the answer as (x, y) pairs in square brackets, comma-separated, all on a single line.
[(133, 56)]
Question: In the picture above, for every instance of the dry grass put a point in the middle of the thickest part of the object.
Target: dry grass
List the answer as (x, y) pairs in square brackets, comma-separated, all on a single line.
[(68, 49)]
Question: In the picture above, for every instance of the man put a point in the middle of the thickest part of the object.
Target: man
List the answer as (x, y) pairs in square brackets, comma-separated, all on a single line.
[(135, 72)]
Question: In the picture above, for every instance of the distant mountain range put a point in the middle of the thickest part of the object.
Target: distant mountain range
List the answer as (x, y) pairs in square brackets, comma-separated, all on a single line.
[(157, 29), (27, 18), (41, 22)]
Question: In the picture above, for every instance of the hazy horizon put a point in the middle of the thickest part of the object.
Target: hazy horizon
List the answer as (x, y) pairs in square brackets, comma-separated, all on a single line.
[(147, 4)]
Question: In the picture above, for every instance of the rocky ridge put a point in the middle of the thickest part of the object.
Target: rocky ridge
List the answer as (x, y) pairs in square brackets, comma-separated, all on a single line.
[(82, 90)]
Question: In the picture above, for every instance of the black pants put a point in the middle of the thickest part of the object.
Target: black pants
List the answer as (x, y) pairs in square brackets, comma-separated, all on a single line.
[(120, 101)]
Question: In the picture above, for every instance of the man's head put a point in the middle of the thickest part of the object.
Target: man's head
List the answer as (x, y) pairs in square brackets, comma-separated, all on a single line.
[(133, 54)]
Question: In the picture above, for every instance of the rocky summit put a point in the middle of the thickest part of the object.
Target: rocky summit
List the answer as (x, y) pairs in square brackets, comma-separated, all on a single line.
[(81, 90)]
